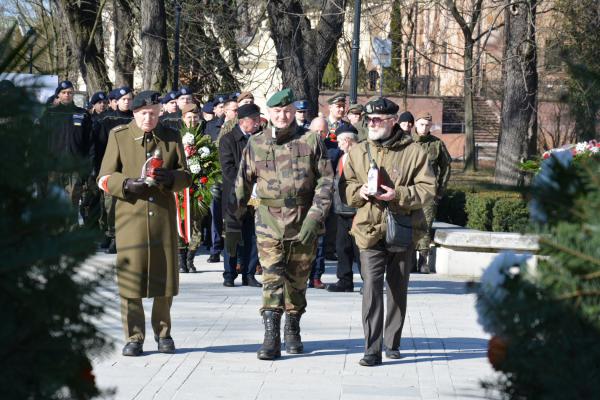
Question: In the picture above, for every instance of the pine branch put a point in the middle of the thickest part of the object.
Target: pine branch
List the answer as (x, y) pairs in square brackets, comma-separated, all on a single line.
[(568, 250)]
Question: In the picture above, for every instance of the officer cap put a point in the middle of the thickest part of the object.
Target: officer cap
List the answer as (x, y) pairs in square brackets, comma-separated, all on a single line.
[(96, 97), (145, 98), (381, 105), (208, 108), (424, 115), (122, 91), (406, 116), (184, 90), (248, 110), (220, 99), (172, 95), (301, 105), (345, 128), (63, 85), (282, 98), (337, 98), (356, 109), (244, 96), (190, 107)]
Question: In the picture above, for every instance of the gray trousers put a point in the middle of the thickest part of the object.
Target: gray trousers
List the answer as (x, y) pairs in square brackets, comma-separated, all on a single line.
[(375, 263)]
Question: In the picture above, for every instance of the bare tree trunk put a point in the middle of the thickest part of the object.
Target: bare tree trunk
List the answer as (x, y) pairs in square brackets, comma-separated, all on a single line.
[(470, 151), (84, 30), (155, 58), (302, 52), (123, 19), (519, 104), (468, 29)]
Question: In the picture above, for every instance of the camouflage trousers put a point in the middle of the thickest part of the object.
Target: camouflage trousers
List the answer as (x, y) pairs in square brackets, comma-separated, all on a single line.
[(286, 266), (195, 239), (430, 210)]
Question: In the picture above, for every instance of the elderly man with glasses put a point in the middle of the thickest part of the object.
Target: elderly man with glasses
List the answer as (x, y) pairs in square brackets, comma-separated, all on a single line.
[(405, 182)]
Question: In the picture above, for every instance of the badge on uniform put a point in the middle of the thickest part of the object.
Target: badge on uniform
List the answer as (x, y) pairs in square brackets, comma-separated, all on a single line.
[(77, 119)]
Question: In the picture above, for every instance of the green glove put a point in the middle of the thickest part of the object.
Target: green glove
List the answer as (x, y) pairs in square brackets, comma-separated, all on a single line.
[(232, 239), (309, 231)]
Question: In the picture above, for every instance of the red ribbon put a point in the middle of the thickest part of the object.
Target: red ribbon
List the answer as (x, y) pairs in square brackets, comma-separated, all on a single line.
[(184, 230)]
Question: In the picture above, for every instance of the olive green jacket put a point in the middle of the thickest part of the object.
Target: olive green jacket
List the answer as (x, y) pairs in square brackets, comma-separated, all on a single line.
[(439, 160), (404, 167)]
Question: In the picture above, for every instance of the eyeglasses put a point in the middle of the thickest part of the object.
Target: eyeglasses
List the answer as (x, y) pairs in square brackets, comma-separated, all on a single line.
[(377, 120)]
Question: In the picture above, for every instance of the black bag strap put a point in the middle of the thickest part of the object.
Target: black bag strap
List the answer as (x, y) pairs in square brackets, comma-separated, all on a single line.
[(369, 152)]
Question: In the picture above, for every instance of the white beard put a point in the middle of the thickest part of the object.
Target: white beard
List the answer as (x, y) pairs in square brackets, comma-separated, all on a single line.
[(378, 134)]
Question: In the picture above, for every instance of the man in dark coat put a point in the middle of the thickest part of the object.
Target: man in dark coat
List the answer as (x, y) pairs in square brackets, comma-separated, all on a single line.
[(122, 115), (230, 154), (145, 219)]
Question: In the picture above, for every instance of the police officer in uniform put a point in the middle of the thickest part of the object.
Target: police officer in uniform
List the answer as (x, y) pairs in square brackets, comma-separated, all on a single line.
[(69, 128), (97, 106), (293, 180), (122, 115), (301, 110), (145, 232), (439, 160), (213, 127)]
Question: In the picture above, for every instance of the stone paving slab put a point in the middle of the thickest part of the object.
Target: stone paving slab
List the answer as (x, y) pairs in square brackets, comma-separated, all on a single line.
[(217, 331)]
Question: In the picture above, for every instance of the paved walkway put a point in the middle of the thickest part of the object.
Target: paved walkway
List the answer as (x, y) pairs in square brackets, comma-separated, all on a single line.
[(217, 331)]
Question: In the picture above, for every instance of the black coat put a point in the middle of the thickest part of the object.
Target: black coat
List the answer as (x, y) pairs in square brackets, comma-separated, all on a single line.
[(231, 146), (69, 130), (108, 120), (213, 127)]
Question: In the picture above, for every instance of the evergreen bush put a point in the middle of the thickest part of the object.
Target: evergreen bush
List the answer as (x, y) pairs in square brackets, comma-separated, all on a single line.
[(510, 215)]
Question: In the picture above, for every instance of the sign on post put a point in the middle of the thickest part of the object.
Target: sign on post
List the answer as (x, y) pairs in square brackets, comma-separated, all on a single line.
[(382, 52)]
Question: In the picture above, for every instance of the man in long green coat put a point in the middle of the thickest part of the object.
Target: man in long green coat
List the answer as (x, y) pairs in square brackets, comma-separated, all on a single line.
[(145, 224)]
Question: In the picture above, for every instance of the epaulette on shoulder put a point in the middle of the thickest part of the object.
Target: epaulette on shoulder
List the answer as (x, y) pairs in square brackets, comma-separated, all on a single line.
[(118, 128)]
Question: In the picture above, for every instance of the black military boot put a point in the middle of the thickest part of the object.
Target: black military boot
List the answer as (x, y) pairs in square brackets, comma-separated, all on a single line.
[(291, 334), (271, 347), (112, 247), (190, 260), (183, 268)]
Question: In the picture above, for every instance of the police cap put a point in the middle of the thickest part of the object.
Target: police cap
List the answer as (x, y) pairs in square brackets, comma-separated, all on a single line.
[(301, 105)]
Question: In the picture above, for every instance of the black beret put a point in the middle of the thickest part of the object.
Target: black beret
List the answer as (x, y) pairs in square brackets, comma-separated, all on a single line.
[(345, 128), (209, 108), (381, 105), (220, 98), (145, 98), (172, 95), (122, 91), (184, 90), (96, 97), (63, 85), (406, 116), (112, 94), (248, 110)]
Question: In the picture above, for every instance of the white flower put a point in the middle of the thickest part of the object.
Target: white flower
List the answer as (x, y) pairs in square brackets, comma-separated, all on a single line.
[(595, 149), (195, 168), (204, 152), (188, 139), (581, 147), (492, 291)]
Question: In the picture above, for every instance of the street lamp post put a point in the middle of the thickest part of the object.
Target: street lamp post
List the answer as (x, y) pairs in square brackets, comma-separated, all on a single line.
[(355, 53), (176, 52)]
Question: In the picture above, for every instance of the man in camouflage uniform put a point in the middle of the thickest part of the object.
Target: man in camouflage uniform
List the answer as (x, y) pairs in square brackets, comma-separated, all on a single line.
[(439, 160), (293, 180)]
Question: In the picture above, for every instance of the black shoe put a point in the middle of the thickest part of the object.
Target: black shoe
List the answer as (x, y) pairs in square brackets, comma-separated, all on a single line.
[(112, 247), (183, 261), (133, 349), (190, 260), (250, 281), (361, 291), (291, 334), (228, 283), (370, 360), (393, 354), (423, 263), (214, 258), (331, 257), (271, 347), (166, 345), (339, 287), (105, 243)]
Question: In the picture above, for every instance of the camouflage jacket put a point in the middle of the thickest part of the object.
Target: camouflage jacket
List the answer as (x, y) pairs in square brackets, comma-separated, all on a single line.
[(293, 180), (439, 160)]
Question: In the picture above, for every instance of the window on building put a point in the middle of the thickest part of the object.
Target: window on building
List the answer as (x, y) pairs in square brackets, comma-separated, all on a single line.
[(373, 78)]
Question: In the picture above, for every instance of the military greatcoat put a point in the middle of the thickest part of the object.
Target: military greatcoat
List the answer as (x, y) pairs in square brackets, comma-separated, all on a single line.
[(146, 231)]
